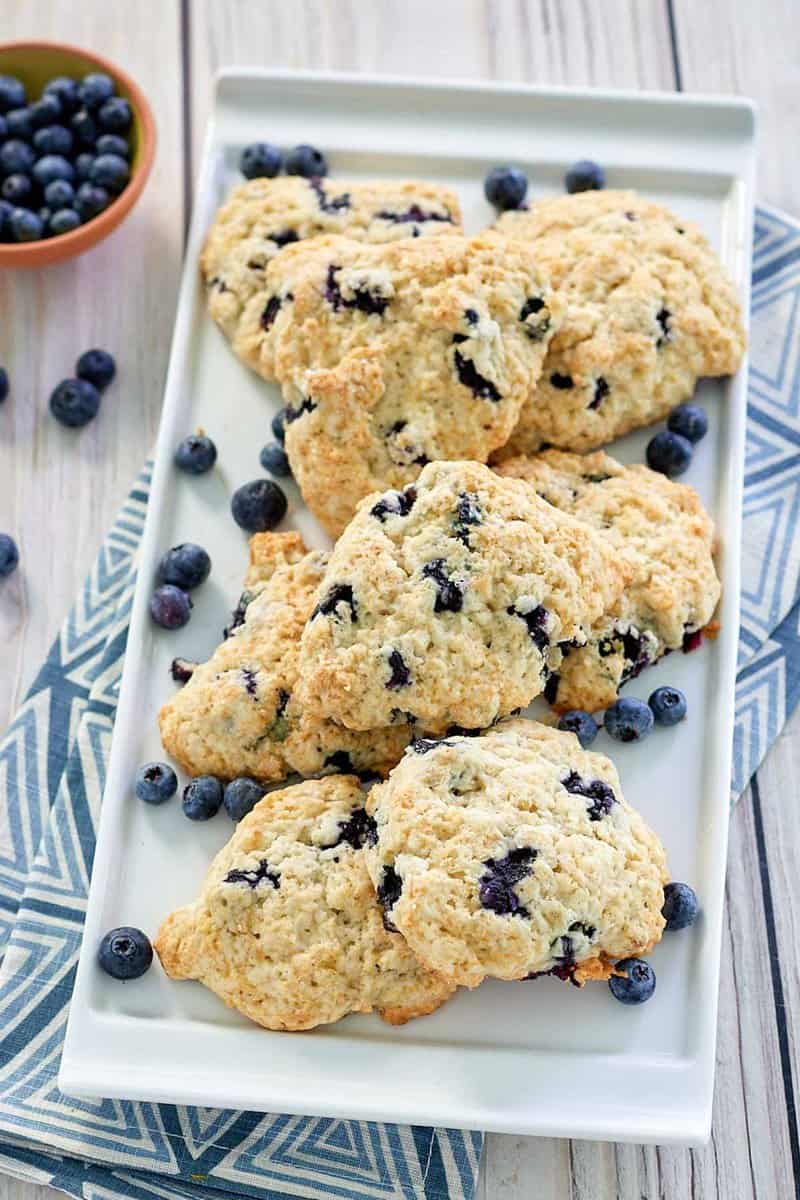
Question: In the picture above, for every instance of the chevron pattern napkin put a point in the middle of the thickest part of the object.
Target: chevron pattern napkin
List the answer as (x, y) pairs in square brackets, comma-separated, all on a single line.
[(52, 770)]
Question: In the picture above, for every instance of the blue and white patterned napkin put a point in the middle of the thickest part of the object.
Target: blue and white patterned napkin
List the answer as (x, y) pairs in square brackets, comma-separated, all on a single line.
[(52, 771)]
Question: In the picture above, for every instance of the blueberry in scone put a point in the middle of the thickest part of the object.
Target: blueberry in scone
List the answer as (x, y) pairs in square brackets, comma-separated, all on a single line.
[(513, 854), (450, 602), (287, 928)]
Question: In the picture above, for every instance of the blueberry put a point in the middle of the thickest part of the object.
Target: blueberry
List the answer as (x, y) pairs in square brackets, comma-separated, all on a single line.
[(125, 953), (12, 93), (97, 366), (65, 91), (258, 506), (95, 89), (59, 194), (196, 454), (52, 166), (582, 724), (670, 453), (186, 565), (680, 906), (628, 720), (19, 124), (44, 214), (3, 384), (6, 209), (505, 187), (636, 983), (668, 705), (90, 201), (53, 139), (155, 783), (17, 190), (273, 459), (112, 143), (64, 221), (241, 796), (689, 420), (84, 126), (9, 554), (26, 226), (16, 157), (279, 425), (585, 176), (262, 160), (305, 160), (83, 165), (115, 115), (170, 607), (74, 402), (110, 171), (45, 111), (202, 798)]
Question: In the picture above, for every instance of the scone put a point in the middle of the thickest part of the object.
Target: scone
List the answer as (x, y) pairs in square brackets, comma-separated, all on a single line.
[(512, 854), (243, 712), (391, 356), (649, 310), (447, 603), (287, 928), (263, 215), (661, 531)]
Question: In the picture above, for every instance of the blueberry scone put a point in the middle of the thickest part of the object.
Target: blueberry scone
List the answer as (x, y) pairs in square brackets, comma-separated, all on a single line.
[(513, 854), (649, 310), (287, 928), (447, 603), (661, 531), (244, 711), (394, 355), (263, 215)]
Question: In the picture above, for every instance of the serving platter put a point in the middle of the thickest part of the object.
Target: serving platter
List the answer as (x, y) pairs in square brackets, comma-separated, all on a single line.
[(529, 1058)]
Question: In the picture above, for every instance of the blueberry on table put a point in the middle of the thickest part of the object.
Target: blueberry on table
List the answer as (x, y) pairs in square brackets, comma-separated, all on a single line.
[(84, 126), (90, 200), (202, 798), (45, 111), (628, 720), (125, 953), (26, 226), (9, 554), (279, 425), (155, 783), (115, 115), (52, 166), (12, 93), (64, 221), (258, 506), (16, 157), (680, 906), (196, 454), (97, 366), (59, 194), (582, 724), (261, 160), (186, 566), (53, 139), (505, 187), (94, 89), (3, 384), (635, 983), (74, 402), (307, 161), (241, 796), (669, 453), (689, 420), (19, 124), (65, 91), (170, 607), (112, 143), (83, 165), (110, 171), (273, 459), (668, 705), (585, 176), (17, 190)]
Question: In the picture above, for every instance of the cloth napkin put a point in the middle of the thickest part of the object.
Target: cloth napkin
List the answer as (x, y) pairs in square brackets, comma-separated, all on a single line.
[(52, 772)]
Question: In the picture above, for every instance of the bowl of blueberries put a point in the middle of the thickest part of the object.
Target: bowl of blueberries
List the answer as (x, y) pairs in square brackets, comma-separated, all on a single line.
[(77, 140)]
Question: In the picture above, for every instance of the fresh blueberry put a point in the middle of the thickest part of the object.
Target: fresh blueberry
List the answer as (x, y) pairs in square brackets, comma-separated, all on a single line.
[(83, 165), (17, 190), (59, 194), (45, 111), (74, 402), (53, 139), (125, 953), (585, 176), (628, 720), (155, 783), (12, 93), (16, 157), (170, 607), (668, 705), (115, 115), (65, 91), (90, 200), (95, 89), (689, 420), (241, 796), (273, 459), (45, 214), (26, 226), (582, 724), (3, 384), (635, 984), (279, 425), (186, 565), (202, 798), (196, 454), (52, 166), (258, 506), (670, 453), (84, 126), (112, 143), (110, 171), (680, 906), (9, 554), (64, 221), (6, 209), (505, 187), (262, 160), (19, 124), (305, 160), (97, 366)]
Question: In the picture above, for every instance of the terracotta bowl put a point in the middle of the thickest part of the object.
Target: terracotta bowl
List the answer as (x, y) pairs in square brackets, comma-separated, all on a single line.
[(36, 62)]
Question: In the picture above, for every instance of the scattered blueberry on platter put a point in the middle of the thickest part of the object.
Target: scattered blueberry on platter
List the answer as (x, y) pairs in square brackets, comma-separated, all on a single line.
[(582, 724), (669, 453), (585, 176), (628, 719), (241, 796), (186, 566), (262, 160), (202, 798), (170, 607), (196, 454), (155, 783), (9, 555), (668, 705), (635, 982), (125, 953), (680, 906), (258, 506), (274, 459), (505, 188)]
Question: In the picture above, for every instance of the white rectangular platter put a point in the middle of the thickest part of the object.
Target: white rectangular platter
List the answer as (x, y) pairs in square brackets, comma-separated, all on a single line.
[(529, 1058)]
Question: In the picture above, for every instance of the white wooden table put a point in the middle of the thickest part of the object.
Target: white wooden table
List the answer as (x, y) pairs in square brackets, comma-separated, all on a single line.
[(59, 490)]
